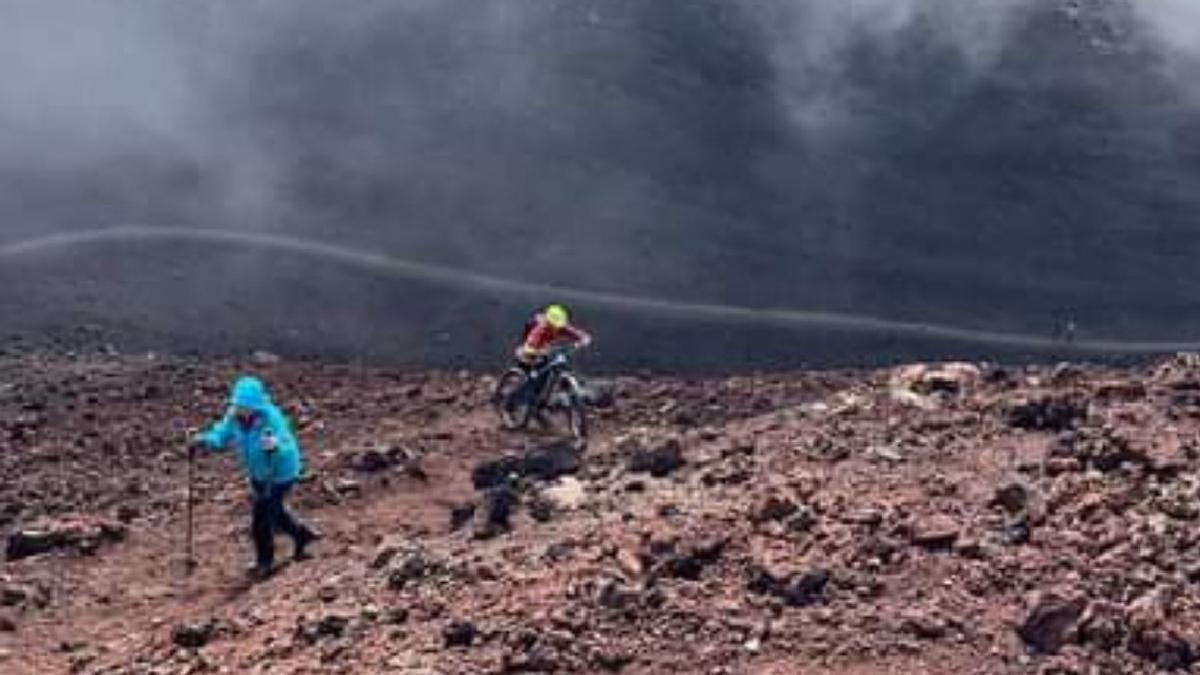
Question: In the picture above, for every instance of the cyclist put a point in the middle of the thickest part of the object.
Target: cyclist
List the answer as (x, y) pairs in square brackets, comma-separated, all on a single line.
[(544, 331)]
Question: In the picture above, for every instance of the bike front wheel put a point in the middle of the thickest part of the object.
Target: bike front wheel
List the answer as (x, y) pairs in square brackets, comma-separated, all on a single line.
[(571, 407), (510, 400)]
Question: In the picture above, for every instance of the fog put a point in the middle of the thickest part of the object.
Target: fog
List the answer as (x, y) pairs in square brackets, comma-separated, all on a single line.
[(1004, 165)]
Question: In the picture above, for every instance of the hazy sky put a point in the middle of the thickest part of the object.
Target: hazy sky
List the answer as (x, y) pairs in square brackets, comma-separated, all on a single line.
[(816, 153)]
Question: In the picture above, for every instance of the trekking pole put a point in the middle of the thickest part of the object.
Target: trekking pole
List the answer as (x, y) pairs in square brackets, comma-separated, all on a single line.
[(190, 561)]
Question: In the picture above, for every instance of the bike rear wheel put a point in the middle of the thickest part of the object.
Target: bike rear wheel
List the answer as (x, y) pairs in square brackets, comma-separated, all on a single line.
[(514, 413)]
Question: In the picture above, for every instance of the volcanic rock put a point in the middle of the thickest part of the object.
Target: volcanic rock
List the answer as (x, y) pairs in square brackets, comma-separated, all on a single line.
[(459, 634), (493, 517), (82, 535), (1012, 496), (939, 532), (195, 635), (412, 566), (1052, 621), (660, 458), (567, 494), (1047, 413), (546, 463)]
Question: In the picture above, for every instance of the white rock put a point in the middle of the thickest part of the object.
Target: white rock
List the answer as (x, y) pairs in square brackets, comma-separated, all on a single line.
[(567, 494)]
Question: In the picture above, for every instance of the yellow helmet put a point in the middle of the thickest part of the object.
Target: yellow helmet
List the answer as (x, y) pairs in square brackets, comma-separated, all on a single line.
[(557, 316)]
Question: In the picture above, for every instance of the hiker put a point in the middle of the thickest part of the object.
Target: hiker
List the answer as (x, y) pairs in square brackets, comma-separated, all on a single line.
[(257, 429)]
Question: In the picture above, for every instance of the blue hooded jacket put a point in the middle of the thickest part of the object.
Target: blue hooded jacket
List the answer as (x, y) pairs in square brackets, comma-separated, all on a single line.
[(280, 466)]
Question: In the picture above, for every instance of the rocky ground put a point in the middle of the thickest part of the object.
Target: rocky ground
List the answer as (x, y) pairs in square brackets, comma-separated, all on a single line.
[(926, 519)]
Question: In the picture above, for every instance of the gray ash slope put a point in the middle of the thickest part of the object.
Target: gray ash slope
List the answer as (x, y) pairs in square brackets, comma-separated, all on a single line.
[(1008, 166)]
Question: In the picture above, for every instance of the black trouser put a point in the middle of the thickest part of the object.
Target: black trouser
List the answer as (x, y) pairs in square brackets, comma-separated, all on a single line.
[(532, 388), (271, 516)]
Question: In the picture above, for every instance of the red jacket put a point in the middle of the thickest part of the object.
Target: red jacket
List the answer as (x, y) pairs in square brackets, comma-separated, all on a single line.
[(543, 335)]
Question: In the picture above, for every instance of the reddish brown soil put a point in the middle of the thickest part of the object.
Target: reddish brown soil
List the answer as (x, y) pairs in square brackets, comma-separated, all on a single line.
[(905, 521)]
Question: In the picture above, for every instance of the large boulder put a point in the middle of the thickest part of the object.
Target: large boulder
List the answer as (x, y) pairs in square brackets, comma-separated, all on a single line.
[(545, 463)]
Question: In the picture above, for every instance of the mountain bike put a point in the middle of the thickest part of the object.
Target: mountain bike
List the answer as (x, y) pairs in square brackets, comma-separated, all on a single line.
[(549, 389)]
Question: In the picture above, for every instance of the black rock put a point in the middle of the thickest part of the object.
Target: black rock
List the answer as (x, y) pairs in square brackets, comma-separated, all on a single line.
[(495, 513), (196, 635), (1047, 414), (659, 461), (460, 634), (461, 515)]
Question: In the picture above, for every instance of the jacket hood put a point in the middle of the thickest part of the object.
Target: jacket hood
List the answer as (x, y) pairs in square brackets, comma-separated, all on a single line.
[(250, 392)]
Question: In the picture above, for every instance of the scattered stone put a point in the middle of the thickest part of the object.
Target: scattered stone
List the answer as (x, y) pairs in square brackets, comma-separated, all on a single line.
[(691, 564), (461, 515), (600, 395), (384, 554), (16, 595), (972, 549), (797, 590), (947, 379), (412, 566), (567, 494), (1012, 496), (868, 517), (924, 625), (884, 453), (347, 486), (332, 625), (265, 358), (127, 513), (1104, 625), (630, 563), (328, 592), (613, 660), (372, 461), (497, 472), (659, 459), (938, 533), (396, 615), (195, 635), (1164, 647), (775, 508), (551, 462), (494, 515), (459, 634), (616, 596), (546, 463), (1047, 413), (81, 535), (329, 627), (807, 588), (1052, 622)]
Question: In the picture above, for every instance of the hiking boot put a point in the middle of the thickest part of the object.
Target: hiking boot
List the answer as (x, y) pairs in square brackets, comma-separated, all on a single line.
[(306, 537), (259, 571)]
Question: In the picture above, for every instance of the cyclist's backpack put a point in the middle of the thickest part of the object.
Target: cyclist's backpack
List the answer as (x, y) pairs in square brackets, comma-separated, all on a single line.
[(530, 324)]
